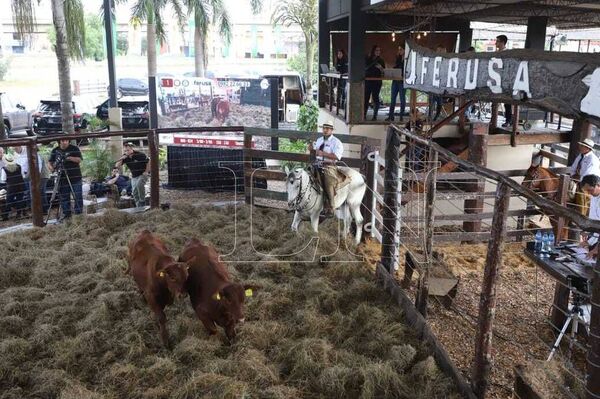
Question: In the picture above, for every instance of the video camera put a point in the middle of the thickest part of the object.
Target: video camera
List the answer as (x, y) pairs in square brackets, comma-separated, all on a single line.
[(579, 284), (59, 160)]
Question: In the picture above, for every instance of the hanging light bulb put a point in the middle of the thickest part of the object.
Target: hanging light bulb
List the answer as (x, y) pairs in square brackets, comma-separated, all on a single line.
[(393, 36), (419, 36), (425, 33)]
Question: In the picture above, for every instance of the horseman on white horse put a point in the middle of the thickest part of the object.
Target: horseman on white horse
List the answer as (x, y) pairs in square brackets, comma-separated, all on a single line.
[(327, 187)]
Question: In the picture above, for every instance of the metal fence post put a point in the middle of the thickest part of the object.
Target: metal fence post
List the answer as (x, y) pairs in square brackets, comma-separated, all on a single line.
[(487, 301), (37, 213), (368, 204), (154, 169), (391, 210)]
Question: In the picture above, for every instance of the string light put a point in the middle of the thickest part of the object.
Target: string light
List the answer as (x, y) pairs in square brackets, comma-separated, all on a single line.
[(419, 36), (425, 33), (393, 36)]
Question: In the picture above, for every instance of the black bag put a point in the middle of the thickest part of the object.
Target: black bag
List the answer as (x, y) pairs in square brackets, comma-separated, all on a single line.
[(99, 189)]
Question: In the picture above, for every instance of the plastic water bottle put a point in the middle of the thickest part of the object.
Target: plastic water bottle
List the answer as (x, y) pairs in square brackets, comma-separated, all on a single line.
[(551, 241), (544, 252), (537, 247)]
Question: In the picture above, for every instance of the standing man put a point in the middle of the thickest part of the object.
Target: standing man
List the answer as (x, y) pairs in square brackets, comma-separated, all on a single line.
[(329, 150), (66, 158), (586, 163), (398, 87), (501, 42), (22, 159), (139, 165)]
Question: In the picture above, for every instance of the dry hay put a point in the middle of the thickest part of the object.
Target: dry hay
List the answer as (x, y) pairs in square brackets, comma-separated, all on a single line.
[(72, 325), (551, 380)]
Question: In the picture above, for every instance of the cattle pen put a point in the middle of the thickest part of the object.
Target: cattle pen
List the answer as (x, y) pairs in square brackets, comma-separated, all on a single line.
[(459, 289)]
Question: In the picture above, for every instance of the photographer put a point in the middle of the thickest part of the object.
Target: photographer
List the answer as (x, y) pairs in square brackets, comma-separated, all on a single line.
[(139, 165), (65, 159)]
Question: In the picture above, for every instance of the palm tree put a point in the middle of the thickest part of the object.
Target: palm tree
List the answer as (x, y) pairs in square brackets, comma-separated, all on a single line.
[(305, 14), (206, 12), (69, 24), (150, 11)]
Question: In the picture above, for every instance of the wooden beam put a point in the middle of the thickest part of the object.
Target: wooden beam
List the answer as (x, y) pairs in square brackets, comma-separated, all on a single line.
[(268, 174), (312, 136), (268, 194), (37, 213), (391, 211), (247, 165), (553, 157), (502, 137), (478, 138), (482, 363), (476, 216), (282, 156)]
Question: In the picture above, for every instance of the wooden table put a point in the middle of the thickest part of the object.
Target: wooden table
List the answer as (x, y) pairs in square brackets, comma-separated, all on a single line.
[(559, 272)]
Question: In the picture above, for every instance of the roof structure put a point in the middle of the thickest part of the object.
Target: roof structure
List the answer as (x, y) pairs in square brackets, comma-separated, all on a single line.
[(564, 14)]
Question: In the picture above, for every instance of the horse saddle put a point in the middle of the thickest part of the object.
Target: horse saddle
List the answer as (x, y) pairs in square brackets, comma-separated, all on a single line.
[(342, 180)]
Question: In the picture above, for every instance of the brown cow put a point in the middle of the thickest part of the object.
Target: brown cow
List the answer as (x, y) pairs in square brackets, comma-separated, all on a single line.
[(215, 299), (157, 275)]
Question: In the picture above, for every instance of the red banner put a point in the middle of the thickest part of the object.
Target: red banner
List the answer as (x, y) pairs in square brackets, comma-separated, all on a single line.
[(210, 142)]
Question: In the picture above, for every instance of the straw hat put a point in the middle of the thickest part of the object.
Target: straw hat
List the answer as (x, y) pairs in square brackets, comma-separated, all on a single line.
[(589, 143), (328, 123), (9, 159)]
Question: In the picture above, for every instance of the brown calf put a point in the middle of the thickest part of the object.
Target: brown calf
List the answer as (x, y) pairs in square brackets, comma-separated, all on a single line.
[(157, 275), (215, 299)]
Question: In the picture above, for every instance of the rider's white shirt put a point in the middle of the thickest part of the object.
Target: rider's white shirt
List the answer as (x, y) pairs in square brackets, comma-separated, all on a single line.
[(590, 165), (333, 145)]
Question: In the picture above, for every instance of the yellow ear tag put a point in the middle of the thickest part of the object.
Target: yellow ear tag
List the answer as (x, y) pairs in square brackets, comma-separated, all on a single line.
[(161, 274), (217, 297), (249, 292)]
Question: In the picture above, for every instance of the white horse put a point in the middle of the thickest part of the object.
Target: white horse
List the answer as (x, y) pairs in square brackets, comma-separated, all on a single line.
[(305, 197)]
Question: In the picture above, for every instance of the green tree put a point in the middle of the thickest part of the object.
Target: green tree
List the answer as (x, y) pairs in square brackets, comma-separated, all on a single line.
[(303, 13), (207, 13), (69, 25), (122, 44), (298, 63), (150, 12), (94, 38)]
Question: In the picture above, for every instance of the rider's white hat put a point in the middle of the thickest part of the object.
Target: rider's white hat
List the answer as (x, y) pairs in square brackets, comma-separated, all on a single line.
[(328, 123), (589, 143)]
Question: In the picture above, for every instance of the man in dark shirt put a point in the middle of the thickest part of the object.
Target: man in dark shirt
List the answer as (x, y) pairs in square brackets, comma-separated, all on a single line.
[(139, 165), (398, 87), (66, 158)]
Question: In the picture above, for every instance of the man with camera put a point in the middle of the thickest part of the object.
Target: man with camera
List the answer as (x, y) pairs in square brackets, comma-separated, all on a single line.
[(139, 165), (64, 160)]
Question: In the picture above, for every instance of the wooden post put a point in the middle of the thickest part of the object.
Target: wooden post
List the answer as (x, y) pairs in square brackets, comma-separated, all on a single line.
[(247, 166), (154, 168), (593, 357), (515, 124), (560, 306), (390, 236), (561, 197), (581, 131), (413, 107), (37, 213), (462, 118), (478, 138), (494, 119), (487, 302), (367, 202), (423, 293)]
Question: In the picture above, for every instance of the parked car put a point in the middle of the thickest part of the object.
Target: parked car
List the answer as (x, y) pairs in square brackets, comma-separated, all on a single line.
[(131, 87), (135, 114), (15, 114), (48, 118)]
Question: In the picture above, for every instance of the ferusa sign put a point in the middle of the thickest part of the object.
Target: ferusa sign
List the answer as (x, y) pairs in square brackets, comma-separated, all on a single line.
[(566, 83)]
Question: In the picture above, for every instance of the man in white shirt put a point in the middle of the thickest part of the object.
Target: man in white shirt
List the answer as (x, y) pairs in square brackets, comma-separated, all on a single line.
[(501, 42), (329, 150), (590, 184), (586, 163)]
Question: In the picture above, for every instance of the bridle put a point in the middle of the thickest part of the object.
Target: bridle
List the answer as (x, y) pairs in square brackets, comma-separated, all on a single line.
[(303, 195)]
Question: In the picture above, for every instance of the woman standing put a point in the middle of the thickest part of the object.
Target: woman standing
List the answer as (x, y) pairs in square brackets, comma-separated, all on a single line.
[(341, 66), (375, 66)]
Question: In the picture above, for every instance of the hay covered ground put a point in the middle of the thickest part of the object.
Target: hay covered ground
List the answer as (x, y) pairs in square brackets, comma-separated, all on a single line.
[(72, 325)]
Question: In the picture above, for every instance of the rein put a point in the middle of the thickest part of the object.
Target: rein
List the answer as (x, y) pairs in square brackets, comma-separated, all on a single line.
[(296, 204)]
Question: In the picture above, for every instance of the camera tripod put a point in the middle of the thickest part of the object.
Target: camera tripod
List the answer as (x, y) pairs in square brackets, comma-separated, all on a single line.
[(60, 171), (578, 314)]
